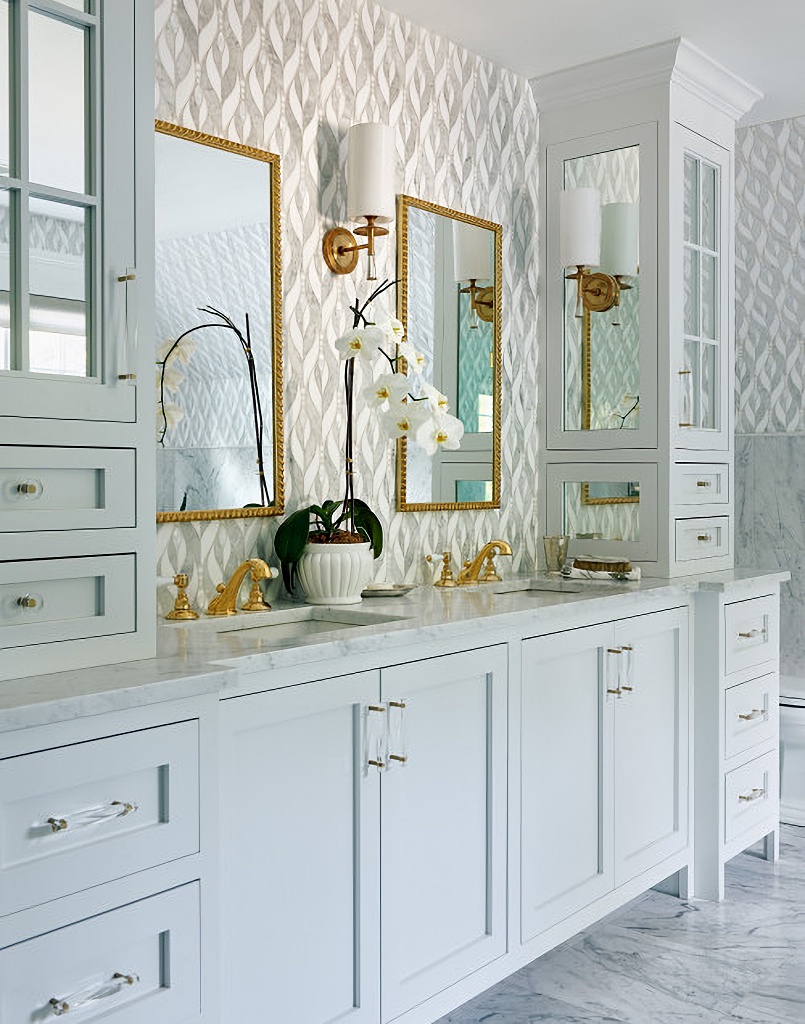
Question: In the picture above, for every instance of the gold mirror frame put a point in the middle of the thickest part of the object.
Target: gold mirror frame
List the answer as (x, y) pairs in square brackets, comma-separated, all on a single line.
[(273, 161), (404, 203)]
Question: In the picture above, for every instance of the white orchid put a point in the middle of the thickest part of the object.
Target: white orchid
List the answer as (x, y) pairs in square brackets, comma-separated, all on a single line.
[(361, 341), (406, 418), (437, 432), (436, 400), (393, 329), (413, 357), (388, 389)]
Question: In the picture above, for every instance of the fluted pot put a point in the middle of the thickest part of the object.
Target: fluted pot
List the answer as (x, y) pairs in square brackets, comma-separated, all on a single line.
[(335, 573)]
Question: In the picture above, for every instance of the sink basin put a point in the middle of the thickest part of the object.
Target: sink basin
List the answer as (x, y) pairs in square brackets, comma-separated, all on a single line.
[(544, 587), (297, 623)]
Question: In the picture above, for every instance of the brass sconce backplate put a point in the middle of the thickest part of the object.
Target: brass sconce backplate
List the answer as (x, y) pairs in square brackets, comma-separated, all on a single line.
[(339, 251)]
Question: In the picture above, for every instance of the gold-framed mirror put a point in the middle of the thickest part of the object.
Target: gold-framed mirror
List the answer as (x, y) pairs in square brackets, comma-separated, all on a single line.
[(449, 266), (219, 390)]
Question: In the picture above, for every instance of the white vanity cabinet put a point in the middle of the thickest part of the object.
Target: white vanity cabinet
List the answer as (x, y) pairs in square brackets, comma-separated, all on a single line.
[(604, 762), (363, 839), (107, 881), (76, 374), (737, 728), (637, 389)]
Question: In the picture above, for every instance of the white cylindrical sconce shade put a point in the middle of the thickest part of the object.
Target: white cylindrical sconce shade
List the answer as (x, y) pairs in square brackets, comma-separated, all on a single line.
[(472, 252), (371, 172), (620, 228), (580, 227)]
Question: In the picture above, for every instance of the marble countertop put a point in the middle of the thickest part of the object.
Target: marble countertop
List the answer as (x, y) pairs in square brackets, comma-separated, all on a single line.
[(211, 655)]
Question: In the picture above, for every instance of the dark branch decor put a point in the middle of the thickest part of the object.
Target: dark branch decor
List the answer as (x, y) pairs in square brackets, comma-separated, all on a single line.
[(245, 340)]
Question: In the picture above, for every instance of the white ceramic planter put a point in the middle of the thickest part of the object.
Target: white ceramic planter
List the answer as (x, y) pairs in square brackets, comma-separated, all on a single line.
[(335, 573)]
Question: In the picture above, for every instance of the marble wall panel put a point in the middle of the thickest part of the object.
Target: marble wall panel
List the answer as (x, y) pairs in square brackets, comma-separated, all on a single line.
[(290, 76)]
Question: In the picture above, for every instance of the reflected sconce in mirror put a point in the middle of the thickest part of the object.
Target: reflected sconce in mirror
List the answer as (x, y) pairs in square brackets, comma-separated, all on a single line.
[(594, 237), (371, 190), (472, 263)]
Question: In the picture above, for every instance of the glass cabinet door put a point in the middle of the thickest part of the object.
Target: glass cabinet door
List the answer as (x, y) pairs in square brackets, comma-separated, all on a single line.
[(59, 356), (702, 412)]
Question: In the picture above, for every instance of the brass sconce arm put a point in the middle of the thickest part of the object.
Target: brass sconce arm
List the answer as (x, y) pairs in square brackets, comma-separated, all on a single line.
[(340, 247)]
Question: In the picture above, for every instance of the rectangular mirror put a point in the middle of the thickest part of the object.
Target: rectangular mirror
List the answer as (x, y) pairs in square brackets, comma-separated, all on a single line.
[(602, 346), (218, 392), (449, 265)]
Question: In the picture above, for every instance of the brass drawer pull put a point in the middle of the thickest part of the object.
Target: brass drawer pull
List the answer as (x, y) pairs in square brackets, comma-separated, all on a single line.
[(617, 692), (397, 704), (703, 483), (750, 634), (754, 794), (398, 757), (376, 764), (26, 601), (750, 716), (376, 707), (704, 537), (27, 488)]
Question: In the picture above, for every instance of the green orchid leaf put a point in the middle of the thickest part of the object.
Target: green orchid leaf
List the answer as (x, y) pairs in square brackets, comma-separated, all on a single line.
[(289, 543), (368, 525)]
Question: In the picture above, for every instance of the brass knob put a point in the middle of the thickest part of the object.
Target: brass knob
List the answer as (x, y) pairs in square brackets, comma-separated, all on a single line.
[(702, 483), (181, 579), (27, 488), (26, 601)]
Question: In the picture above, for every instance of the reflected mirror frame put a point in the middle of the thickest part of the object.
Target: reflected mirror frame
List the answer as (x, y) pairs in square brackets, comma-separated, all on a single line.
[(404, 203), (277, 508)]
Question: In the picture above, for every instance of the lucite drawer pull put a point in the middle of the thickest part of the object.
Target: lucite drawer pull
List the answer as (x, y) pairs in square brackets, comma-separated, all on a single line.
[(26, 601), (750, 716), (703, 483), (750, 634), (755, 794), (92, 816), (78, 1000), (704, 537)]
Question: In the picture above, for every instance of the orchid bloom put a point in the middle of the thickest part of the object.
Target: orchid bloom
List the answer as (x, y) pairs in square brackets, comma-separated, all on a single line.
[(440, 432), (388, 389), (362, 341), (414, 358), (436, 400), (405, 418)]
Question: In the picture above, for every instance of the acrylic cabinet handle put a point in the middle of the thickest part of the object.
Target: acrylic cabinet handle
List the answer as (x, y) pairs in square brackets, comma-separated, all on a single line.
[(750, 634), (703, 483), (397, 731), (92, 816), (375, 738), (754, 794), (78, 1000), (704, 537), (127, 355), (750, 716)]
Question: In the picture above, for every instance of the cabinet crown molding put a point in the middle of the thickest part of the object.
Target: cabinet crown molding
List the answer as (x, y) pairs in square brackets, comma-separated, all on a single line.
[(674, 62)]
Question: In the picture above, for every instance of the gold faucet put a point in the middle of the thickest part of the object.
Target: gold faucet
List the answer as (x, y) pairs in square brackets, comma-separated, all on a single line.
[(226, 601), (471, 573)]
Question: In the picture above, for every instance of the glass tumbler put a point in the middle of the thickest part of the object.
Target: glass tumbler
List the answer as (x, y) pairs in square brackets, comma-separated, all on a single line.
[(555, 553)]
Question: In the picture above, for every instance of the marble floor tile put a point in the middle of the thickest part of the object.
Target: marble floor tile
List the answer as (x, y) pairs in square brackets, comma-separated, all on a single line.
[(662, 961)]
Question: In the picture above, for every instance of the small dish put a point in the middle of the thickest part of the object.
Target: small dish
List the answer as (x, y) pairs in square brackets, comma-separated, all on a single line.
[(388, 589)]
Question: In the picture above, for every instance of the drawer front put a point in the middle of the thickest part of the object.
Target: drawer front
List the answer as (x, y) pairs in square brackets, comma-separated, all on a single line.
[(699, 483), (76, 816), (702, 538), (751, 633), (66, 488), (139, 963), (751, 714), (48, 600), (751, 795)]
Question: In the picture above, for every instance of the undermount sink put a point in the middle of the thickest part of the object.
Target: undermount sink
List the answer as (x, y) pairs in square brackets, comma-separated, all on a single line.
[(543, 587), (298, 623)]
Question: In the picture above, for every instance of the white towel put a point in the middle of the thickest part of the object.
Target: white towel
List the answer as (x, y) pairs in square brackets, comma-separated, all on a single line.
[(589, 574)]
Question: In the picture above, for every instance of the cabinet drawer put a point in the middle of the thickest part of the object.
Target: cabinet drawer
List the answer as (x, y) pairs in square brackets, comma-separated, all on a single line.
[(702, 538), (750, 795), (138, 963), (47, 600), (700, 483), (750, 714), (750, 633), (66, 488), (76, 816)]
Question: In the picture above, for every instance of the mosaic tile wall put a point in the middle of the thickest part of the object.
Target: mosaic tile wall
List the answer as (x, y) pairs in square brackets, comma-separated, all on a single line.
[(290, 77), (770, 364)]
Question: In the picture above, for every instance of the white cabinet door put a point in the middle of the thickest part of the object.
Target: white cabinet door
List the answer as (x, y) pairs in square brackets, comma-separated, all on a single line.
[(443, 824), (651, 741), (565, 775), (299, 856)]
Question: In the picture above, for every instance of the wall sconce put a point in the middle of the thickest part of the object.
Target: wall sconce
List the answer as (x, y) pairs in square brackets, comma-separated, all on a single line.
[(592, 237), (472, 262), (371, 164)]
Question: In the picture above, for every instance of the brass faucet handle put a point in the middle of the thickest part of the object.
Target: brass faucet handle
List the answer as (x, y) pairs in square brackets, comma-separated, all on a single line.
[(182, 609), (446, 579), (256, 601), (490, 574)]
